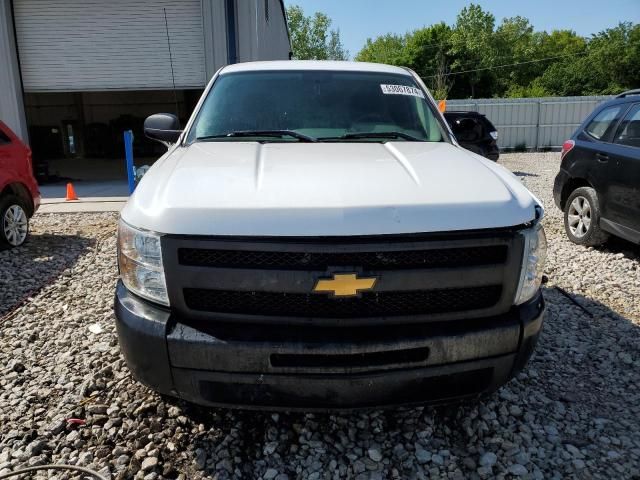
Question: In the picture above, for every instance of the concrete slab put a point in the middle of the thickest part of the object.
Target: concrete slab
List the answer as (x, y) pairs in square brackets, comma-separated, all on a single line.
[(93, 169), (86, 189), (46, 201), (77, 207)]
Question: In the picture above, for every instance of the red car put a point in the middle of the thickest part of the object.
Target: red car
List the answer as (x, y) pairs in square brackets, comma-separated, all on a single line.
[(19, 194)]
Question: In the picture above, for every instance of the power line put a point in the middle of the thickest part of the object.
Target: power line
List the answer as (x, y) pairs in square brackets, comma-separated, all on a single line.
[(472, 62), (447, 43), (173, 77), (508, 65)]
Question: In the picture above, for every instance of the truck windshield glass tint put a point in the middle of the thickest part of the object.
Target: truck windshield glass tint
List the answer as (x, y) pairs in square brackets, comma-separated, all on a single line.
[(319, 104)]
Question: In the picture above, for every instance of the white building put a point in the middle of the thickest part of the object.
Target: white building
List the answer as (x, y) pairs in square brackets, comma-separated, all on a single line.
[(74, 74)]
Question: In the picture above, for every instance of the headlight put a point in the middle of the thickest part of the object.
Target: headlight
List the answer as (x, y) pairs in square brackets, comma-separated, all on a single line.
[(140, 262), (494, 134), (535, 254)]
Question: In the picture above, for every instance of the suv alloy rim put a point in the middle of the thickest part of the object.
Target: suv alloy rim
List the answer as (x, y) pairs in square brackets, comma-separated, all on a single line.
[(579, 216), (15, 225)]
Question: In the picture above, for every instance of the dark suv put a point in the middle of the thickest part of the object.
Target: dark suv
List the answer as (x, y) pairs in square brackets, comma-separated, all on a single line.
[(598, 186), (474, 132)]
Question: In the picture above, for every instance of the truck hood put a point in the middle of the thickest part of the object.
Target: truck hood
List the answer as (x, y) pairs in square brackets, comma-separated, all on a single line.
[(326, 189)]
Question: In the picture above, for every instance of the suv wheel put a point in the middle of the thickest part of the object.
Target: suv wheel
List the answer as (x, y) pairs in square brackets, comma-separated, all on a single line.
[(14, 222), (582, 218)]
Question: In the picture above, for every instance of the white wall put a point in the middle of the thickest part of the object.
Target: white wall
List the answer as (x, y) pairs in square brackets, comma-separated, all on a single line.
[(95, 45), (259, 39), (532, 123), (215, 36), (11, 107)]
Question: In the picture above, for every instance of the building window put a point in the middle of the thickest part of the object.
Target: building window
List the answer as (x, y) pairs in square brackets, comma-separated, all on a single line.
[(266, 10)]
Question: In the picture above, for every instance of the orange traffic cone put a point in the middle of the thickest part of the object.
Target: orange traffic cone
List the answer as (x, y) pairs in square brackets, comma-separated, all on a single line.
[(71, 193)]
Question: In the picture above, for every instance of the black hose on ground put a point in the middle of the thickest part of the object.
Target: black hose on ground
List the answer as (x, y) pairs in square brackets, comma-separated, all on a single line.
[(52, 467), (570, 297)]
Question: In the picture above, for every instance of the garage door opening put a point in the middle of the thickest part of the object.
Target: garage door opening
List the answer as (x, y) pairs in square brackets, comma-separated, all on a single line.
[(92, 69), (78, 136)]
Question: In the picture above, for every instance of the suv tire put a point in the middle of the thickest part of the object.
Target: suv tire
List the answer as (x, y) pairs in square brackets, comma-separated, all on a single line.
[(582, 218), (14, 222)]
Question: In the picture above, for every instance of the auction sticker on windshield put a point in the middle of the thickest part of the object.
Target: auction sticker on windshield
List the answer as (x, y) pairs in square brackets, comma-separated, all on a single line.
[(401, 90)]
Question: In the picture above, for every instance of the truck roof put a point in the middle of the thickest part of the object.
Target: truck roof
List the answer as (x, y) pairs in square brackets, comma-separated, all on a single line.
[(314, 65)]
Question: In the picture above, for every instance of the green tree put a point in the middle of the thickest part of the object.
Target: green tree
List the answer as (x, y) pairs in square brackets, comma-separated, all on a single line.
[(423, 50), (473, 48), (426, 52), (615, 55), (608, 64), (312, 38), (515, 45), (387, 49), (335, 48), (474, 58), (560, 42), (555, 48)]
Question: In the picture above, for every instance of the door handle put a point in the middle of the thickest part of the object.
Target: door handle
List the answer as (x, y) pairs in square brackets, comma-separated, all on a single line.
[(602, 157)]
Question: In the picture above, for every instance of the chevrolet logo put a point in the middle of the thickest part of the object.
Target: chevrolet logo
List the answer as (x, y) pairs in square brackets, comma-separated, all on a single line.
[(344, 284)]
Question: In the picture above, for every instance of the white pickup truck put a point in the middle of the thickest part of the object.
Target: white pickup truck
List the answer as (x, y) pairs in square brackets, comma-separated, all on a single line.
[(316, 238)]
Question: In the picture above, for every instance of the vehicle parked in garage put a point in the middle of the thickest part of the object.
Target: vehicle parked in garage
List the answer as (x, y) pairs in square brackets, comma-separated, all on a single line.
[(474, 132), (316, 224), (598, 186), (19, 194)]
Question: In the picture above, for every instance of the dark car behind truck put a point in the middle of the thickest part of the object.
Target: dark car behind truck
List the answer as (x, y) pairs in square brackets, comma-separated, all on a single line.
[(475, 132)]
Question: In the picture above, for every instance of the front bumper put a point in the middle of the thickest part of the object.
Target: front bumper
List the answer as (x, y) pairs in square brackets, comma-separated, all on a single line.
[(323, 368)]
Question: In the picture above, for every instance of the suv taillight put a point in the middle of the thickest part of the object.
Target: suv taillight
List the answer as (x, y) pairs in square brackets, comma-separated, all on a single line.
[(567, 147)]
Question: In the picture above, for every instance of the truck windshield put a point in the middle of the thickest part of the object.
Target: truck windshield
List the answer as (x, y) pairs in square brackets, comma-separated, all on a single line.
[(295, 106)]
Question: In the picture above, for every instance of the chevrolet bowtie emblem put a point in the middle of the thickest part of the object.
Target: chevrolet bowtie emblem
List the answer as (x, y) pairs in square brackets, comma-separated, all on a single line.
[(344, 284)]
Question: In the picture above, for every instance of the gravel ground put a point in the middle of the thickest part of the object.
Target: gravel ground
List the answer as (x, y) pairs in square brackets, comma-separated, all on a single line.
[(573, 413)]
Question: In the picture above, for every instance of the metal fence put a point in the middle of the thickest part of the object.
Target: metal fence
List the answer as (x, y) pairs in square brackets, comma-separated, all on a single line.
[(532, 123)]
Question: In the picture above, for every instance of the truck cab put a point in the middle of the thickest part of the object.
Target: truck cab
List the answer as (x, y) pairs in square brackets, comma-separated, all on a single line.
[(315, 238)]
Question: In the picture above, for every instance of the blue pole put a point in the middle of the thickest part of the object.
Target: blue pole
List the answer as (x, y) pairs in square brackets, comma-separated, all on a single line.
[(128, 153)]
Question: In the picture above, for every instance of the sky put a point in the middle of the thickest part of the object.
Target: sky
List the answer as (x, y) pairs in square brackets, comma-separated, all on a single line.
[(362, 19)]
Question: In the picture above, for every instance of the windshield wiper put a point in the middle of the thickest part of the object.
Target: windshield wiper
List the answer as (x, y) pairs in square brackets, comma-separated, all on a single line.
[(356, 135), (262, 133)]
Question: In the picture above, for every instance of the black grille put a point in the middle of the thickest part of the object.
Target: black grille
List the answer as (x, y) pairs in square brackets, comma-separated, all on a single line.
[(349, 360), (406, 259), (369, 304), (380, 392)]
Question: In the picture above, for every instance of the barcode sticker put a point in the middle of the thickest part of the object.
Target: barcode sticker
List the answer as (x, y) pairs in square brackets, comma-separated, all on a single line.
[(401, 90)]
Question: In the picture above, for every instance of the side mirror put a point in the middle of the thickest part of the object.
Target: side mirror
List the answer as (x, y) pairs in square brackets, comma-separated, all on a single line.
[(163, 127)]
